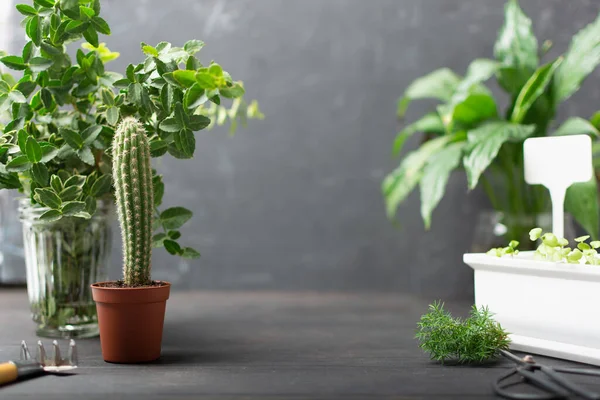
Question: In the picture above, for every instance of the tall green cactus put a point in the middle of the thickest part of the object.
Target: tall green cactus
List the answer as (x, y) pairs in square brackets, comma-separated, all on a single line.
[(132, 172)]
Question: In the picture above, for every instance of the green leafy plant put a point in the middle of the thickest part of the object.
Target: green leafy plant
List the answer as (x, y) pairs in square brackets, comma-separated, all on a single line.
[(556, 249), (466, 130), (61, 114), (58, 116), (473, 340)]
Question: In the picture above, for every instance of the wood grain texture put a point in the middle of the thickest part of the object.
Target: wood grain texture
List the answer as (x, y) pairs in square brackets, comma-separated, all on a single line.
[(243, 345)]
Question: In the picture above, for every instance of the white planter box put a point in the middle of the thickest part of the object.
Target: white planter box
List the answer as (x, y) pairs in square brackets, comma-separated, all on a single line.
[(549, 308)]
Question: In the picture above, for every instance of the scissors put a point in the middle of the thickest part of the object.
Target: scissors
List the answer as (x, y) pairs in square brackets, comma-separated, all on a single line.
[(549, 380)]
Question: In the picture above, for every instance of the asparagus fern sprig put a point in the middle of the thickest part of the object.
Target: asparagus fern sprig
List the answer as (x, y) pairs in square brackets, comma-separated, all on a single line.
[(476, 339)]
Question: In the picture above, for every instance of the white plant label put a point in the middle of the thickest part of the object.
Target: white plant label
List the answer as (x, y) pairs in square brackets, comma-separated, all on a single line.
[(557, 163)]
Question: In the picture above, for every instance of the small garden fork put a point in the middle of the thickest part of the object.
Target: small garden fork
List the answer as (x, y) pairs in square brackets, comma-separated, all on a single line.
[(28, 367)]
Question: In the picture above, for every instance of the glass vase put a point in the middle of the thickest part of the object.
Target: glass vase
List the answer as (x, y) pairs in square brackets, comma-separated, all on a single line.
[(497, 229), (11, 246), (63, 258)]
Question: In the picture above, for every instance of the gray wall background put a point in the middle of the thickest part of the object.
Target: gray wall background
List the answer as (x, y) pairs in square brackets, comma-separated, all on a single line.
[(293, 202)]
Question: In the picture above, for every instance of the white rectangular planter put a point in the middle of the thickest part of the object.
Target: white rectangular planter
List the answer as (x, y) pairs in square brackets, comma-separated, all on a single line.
[(549, 308)]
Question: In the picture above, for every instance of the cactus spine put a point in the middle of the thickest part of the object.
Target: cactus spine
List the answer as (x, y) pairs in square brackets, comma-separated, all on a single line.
[(132, 172)]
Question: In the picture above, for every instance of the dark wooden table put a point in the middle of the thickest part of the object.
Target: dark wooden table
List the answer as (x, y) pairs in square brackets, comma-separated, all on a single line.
[(232, 345)]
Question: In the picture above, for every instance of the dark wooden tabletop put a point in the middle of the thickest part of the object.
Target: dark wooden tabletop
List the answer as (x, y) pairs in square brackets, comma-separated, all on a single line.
[(232, 345)]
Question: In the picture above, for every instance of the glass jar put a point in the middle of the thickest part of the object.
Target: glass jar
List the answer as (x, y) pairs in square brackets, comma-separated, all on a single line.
[(63, 258), (11, 245), (497, 229)]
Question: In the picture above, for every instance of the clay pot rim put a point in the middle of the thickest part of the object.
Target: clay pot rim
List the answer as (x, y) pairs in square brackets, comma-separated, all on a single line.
[(135, 295), (96, 286)]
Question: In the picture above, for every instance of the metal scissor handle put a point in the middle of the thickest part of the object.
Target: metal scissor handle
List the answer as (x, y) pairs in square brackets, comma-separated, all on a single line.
[(548, 379)]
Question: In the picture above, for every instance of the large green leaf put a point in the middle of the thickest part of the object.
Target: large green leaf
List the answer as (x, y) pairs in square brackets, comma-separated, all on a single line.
[(33, 150), (159, 189), (18, 164), (33, 29), (435, 177), (429, 123), (70, 193), (582, 203), (48, 198), (471, 102), (112, 115), (26, 9), (233, 92), (172, 246), (533, 88), (51, 215), (48, 153), (480, 70), (581, 59), (39, 64), (595, 120), (439, 84), (90, 134), (576, 126), (516, 48), (468, 108), (175, 217), (400, 182), (72, 208), (14, 62), (101, 186), (596, 155), (39, 172), (85, 154), (485, 141), (198, 122), (194, 96), (193, 46), (184, 77), (72, 138), (512, 79), (188, 252), (101, 25), (185, 142)]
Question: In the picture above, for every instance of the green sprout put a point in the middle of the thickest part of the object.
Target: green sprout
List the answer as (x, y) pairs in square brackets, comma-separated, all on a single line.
[(535, 234), (555, 249), (476, 339), (511, 249)]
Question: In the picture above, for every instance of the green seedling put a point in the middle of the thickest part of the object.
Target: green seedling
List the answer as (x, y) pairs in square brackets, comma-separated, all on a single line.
[(555, 249), (511, 249)]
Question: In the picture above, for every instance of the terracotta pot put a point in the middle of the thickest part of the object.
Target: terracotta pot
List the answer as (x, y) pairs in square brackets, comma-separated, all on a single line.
[(131, 321)]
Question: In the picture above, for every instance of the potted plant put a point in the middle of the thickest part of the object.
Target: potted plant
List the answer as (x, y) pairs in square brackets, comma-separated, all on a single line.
[(467, 131), (58, 126), (544, 298), (131, 312)]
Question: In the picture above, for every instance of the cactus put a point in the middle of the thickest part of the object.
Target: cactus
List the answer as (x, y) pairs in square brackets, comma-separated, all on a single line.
[(132, 172)]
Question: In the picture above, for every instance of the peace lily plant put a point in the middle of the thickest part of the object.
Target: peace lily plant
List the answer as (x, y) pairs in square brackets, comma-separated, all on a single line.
[(468, 131), (58, 116)]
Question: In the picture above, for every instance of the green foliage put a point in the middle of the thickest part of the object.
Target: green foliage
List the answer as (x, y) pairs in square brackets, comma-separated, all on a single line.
[(511, 250), (556, 249), (474, 340), (58, 118), (467, 125)]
